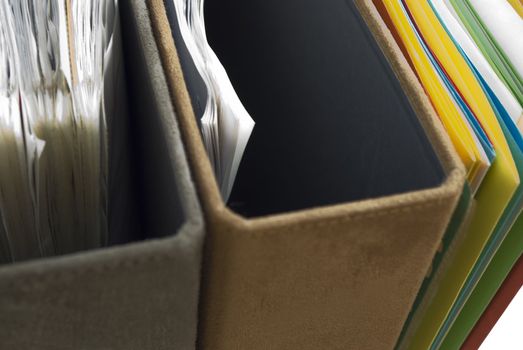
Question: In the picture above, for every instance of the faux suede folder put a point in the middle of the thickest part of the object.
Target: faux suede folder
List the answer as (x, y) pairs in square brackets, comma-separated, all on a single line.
[(319, 262), (134, 297)]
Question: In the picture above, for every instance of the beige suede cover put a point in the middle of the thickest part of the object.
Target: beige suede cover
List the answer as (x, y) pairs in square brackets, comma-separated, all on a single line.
[(335, 277)]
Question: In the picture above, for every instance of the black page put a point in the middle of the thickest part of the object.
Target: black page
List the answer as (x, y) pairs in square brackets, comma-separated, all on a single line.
[(332, 123)]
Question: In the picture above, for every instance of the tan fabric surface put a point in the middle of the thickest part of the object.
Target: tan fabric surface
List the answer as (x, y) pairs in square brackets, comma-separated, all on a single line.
[(336, 277)]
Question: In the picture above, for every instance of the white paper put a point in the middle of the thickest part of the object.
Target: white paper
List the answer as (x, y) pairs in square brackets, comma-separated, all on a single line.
[(506, 26), (458, 32), (53, 141), (226, 125)]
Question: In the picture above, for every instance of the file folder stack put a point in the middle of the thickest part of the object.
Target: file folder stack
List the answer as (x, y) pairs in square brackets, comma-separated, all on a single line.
[(376, 204), (469, 54)]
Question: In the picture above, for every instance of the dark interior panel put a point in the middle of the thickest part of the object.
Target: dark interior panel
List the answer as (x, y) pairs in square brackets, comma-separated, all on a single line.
[(332, 122)]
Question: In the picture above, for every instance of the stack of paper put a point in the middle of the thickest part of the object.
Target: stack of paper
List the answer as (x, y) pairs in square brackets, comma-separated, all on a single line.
[(225, 124), (54, 56)]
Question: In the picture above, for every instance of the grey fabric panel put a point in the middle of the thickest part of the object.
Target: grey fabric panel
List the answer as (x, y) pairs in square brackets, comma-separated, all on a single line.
[(136, 297), (139, 296), (152, 140)]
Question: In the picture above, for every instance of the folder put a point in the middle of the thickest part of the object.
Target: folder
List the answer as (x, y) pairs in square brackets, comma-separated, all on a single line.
[(138, 296), (486, 288), (496, 307), (498, 198), (321, 267), (507, 226)]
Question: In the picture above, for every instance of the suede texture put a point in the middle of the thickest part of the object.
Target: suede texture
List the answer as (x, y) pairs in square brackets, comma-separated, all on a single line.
[(139, 296), (335, 277)]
